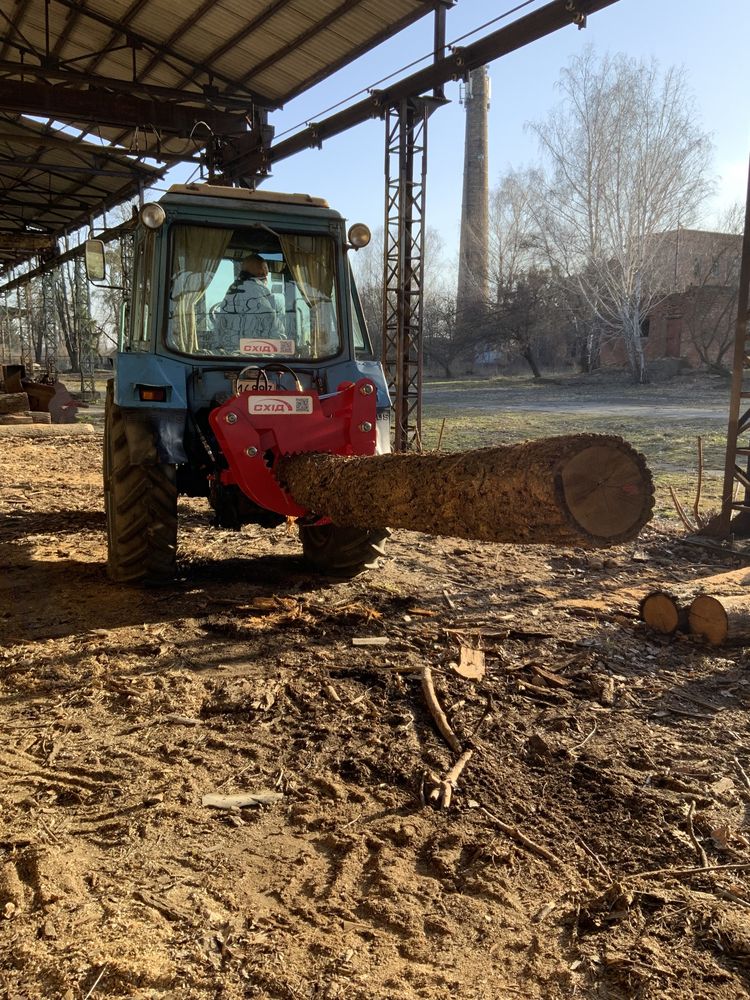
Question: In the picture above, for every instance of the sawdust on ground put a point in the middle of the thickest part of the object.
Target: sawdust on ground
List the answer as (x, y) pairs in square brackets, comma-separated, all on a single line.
[(568, 865)]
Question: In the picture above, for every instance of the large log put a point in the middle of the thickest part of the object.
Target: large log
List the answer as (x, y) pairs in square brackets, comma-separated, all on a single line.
[(581, 489), (13, 419)]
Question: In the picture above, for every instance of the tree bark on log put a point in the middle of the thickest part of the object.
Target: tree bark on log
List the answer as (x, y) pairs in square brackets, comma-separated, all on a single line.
[(580, 489), (721, 619)]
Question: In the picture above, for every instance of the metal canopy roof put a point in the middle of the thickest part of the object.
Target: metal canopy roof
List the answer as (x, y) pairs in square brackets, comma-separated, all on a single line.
[(117, 81), (52, 183)]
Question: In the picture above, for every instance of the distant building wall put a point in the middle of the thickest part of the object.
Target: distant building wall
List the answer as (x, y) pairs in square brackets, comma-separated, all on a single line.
[(698, 271)]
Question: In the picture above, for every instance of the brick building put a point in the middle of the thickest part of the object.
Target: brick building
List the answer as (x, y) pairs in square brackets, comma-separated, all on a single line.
[(697, 272)]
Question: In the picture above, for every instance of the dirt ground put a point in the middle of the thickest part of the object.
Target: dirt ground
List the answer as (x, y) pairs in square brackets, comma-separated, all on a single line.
[(597, 844)]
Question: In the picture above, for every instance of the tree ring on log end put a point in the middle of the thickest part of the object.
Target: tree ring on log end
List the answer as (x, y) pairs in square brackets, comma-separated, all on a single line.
[(708, 618), (660, 610), (603, 491)]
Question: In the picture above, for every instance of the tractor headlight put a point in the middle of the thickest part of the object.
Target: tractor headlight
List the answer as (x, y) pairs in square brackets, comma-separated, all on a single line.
[(152, 215), (359, 235)]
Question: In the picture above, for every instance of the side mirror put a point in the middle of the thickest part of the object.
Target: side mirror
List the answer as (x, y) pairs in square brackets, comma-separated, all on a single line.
[(96, 268)]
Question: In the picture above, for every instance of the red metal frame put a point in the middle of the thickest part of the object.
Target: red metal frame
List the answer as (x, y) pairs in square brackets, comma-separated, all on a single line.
[(257, 427)]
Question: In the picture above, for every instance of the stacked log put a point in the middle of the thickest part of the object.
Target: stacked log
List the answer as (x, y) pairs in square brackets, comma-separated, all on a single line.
[(716, 608), (15, 408), (580, 489)]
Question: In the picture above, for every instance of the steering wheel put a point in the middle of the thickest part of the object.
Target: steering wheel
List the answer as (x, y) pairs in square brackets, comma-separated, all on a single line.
[(269, 366)]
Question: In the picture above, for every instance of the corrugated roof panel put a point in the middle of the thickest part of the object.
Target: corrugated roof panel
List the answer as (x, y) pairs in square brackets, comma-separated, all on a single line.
[(274, 49), (52, 182)]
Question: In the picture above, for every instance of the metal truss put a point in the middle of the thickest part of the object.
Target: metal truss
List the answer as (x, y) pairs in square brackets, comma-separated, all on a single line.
[(403, 264), (25, 334)]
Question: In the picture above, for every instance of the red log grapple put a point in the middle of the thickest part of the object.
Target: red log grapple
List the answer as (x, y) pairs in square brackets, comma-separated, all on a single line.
[(257, 427)]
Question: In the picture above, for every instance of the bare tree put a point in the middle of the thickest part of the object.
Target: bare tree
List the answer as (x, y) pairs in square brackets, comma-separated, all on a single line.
[(628, 163), (710, 303)]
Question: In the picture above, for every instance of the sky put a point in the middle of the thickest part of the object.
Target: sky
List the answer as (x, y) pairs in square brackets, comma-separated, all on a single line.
[(709, 39)]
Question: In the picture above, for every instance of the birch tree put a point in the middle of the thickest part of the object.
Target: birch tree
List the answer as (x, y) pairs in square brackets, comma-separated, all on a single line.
[(628, 162)]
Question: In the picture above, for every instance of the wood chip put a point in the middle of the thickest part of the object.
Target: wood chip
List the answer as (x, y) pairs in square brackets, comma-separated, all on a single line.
[(370, 640), (550, 678), (471, 664), (241, 800)]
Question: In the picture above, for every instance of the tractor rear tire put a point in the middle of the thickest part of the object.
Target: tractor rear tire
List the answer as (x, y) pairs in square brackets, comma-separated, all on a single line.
[(342, 552), (141, 506)]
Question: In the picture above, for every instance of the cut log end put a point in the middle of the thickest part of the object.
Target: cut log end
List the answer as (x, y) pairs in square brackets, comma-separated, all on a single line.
[(708, 618), (661, 611), (608, 491)]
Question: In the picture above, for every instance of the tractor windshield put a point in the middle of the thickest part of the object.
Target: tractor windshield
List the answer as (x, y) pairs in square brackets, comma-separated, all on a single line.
[(252, 293)]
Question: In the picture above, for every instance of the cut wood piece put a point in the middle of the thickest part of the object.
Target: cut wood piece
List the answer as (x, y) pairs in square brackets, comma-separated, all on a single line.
[(13, 402), (40, 417), (580, 489), (721, 619), (664, 612), (471, 663), (32, 430)]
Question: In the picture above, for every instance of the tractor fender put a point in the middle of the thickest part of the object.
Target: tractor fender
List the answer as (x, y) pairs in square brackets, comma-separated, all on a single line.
[(155, 437), (155, 431)]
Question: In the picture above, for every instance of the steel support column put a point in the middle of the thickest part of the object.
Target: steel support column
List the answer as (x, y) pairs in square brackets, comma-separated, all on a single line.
[(25, 337), (403, 263), (86, 328), (49, 325)]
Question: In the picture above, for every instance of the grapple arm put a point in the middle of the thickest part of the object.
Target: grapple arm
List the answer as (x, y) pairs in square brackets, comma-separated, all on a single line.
[(256, 428)]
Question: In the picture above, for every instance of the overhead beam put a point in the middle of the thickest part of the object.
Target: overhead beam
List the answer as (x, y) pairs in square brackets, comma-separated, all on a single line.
[(49, 72), (30, 242), (83, 149), (98, 105), (95, 169), (538, 24)]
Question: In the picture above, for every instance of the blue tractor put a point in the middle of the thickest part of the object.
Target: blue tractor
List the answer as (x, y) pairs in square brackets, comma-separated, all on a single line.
[(244, 341)]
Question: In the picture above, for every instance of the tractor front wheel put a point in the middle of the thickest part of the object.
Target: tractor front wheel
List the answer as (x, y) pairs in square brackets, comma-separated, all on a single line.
[(141, 506), (342, 552)]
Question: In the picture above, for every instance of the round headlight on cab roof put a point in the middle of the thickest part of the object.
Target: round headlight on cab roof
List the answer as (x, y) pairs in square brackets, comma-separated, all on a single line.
[(152, 215), (359, 235)]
